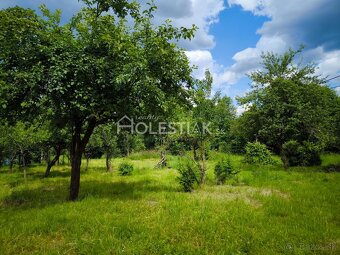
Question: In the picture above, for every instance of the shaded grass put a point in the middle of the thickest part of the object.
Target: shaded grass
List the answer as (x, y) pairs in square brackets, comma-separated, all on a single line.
[(263, 210)]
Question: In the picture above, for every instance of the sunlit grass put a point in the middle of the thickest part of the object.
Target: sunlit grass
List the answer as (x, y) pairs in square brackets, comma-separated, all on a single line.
[(263, 210)]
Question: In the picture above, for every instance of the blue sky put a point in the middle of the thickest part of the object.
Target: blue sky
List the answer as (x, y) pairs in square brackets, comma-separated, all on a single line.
[(233, 33)]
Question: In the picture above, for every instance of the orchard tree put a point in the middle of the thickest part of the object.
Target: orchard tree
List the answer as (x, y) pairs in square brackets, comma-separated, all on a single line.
[(19, 139), (92, 70), (289, 102)]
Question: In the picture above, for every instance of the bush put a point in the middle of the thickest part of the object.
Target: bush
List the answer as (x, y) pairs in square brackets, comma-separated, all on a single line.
[(176, 148), (125, 169), (223, 171), (189, 176), (257, 153), (296, 154), (224, 147)]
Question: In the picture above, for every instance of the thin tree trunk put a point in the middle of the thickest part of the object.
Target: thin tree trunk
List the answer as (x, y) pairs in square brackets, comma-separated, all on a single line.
[(202, 165), (53, 162), (11, 164), (108, 162), (87, 163), (24, 165)]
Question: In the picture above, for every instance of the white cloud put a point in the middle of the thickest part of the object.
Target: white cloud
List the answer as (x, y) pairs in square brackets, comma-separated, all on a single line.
[(337, 90), (203, 60), (291, 24), (184, 13)]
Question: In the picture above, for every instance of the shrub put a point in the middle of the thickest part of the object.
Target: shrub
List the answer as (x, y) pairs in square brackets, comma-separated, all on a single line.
[(257, 153), (125, 169), (290, 153), (176, 148), (224, 147), (296, 154), (189, 176), (223, 171)]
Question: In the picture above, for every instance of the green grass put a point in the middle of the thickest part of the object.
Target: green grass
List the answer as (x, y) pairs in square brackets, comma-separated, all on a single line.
[(263, 210)]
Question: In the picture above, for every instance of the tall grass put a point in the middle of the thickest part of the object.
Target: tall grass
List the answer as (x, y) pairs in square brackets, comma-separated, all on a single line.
[(263, 210)]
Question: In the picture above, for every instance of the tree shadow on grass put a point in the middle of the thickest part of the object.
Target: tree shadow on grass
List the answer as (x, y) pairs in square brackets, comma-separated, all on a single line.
[(50, 194)]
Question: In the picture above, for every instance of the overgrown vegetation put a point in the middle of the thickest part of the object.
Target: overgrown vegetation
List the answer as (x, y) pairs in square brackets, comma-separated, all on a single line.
[(81, 91), (147, 212)]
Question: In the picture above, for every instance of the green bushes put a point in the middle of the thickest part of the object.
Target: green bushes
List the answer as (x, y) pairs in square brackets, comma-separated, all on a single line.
[(223, 171), (176, 148), (125, 169), (257, 153), (189, 176), (296, 154)]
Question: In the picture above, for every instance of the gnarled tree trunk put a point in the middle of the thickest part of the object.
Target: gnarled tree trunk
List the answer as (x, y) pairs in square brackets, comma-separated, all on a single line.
[(77, 150)]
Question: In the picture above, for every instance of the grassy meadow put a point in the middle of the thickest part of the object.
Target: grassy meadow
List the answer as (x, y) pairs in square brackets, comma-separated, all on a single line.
[(262, 210)]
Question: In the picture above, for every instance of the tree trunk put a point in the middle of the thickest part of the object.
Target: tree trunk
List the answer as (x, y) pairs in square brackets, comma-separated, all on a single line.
[(24, 165), (108, 162), (77, 150), (202, 165), (87, 163), (53, 162), (11, 161)]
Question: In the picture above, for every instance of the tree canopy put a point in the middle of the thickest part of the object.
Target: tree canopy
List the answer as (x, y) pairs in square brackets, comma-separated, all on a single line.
[(94, 69), (289, 102)]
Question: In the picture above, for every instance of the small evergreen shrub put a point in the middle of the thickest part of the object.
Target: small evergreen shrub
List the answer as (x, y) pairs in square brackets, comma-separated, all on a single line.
[(224, 171), (125, 169), (189, 176), (257, 153), (296, 154)]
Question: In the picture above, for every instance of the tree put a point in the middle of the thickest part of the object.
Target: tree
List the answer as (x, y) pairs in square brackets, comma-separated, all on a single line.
[(223, 115), (289, 102), (202, 130), (20, 139), (93, 70), (58, 140)]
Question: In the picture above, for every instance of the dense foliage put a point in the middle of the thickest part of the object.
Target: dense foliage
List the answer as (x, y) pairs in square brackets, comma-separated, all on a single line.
[(296, 154), (257, 153), (93, 70), (289, 102)]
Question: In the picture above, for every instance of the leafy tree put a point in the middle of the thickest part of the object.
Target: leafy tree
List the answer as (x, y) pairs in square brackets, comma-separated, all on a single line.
[(90, 71), (288, 102), (58, 140), (223, 114), (20, 139)]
